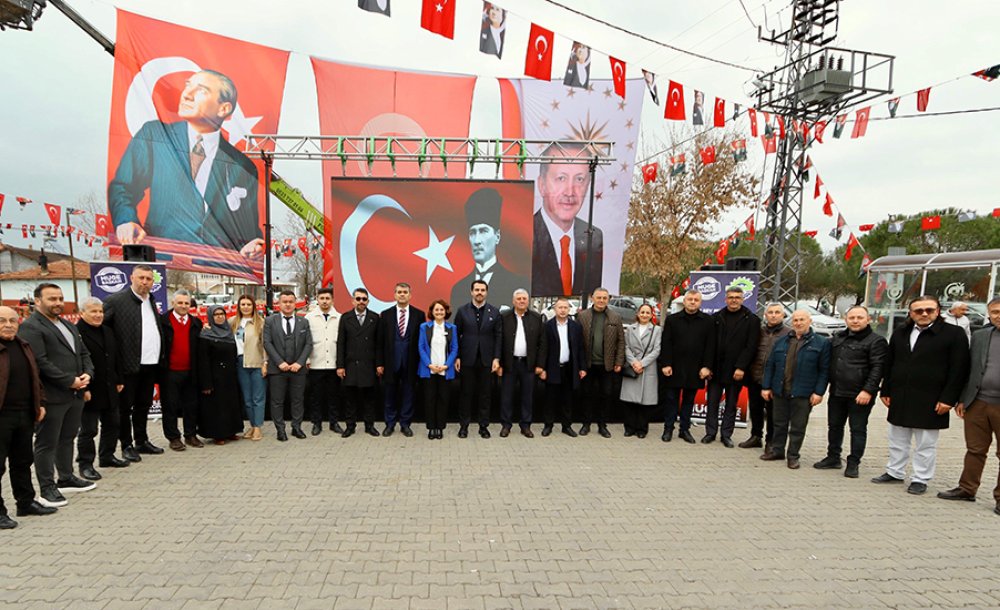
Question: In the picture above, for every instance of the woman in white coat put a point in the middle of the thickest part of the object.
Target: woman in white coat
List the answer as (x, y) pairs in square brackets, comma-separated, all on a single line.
[(642, 346)]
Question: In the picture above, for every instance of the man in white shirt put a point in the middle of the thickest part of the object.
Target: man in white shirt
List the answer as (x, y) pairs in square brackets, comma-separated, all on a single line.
[(522, 358), (956, 315), (323, 385)]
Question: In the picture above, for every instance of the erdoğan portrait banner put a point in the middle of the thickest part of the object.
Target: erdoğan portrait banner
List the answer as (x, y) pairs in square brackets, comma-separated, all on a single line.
[(182, 102)]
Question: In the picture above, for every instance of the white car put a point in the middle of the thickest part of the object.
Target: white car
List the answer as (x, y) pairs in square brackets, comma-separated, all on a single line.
[(822, 324), (549, 312)]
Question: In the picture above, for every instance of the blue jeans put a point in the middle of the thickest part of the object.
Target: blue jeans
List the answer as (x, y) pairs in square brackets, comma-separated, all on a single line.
[(252, 387)]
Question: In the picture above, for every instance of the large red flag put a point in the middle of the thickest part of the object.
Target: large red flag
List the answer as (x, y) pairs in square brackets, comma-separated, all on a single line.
[(674, 106), (828, 205), (649, 172), (538, 61), (438, 16), (54, 212), (720, 112), (618, 76), (861, 122), (708, 155), (819, 184), (852, 242), (200, 203), (102, 224)]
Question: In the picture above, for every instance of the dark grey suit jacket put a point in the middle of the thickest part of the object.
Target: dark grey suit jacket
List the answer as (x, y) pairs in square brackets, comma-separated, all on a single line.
[(545, 278), (58, 364), (278, 350), (980, 350)]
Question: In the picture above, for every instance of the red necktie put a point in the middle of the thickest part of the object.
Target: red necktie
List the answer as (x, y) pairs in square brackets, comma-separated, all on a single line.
[(402, 322), (566, 266), (197, 157)]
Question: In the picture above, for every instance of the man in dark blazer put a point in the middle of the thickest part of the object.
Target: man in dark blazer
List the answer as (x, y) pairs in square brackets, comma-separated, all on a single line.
[(559, 254), (737, 332), (979, 406), (288, 343), (65, 369), (604, 352), (522, 358), (927, 367), (396, 360), (493, 31), (133, 316), (482, 214), (178, 379), (357, 350), (202, 190), (565, 366), (687, 355), (480, 338)]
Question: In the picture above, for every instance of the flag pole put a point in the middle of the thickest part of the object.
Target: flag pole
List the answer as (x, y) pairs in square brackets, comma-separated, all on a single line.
[(268, 286), (72, 261), (590, 235)]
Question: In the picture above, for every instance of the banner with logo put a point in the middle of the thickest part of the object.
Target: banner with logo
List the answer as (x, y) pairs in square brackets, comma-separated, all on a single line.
[(182, 102), (713, 285)]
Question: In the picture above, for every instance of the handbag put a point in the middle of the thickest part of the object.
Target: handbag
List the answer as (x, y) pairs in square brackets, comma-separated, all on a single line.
[(627, 370)]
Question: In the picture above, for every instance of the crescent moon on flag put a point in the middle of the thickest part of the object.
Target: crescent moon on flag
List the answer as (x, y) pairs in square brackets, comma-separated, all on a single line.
[(675, 96), (545, 44), (349, 243), (619, 68), (139, 107)]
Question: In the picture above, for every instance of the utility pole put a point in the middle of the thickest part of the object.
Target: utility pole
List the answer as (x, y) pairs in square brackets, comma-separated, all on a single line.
[(816, 83)]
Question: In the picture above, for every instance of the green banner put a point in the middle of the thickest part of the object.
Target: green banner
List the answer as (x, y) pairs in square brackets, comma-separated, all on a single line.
[(296, 202)]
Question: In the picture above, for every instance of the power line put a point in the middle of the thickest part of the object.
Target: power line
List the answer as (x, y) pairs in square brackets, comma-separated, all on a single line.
[(749, 18)]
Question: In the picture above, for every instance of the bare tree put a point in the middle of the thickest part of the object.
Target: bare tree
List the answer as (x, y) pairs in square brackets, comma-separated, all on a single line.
[(306, 269)]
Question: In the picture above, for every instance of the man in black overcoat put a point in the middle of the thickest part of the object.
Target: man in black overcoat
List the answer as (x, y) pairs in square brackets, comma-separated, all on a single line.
[(687, 354)]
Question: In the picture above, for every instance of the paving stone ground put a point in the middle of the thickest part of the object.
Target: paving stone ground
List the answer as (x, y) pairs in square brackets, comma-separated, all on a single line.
[(506, 523)]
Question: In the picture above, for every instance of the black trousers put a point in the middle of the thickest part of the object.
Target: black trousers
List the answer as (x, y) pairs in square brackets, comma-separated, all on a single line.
[(363, 398), (54, 438), (677, 401), (476, 387), (714, 398), (136, 398), (16, 429), (108, 418), (600, 388), (559, 398), (635, 417), (519, 382), (437, 396), (179, 397), (323, 396), (791, 416), (761, 413), (840, 411)]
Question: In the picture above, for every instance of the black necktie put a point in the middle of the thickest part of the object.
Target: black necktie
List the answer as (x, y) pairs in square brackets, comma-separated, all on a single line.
[(326, 317), (288, 325)]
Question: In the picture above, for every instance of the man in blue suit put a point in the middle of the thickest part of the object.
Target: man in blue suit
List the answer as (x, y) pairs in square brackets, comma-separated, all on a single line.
[(396, 359), (480, 336), (201, 189)]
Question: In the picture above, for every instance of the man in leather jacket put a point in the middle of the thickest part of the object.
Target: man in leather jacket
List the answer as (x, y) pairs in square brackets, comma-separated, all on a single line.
[(855, 374)]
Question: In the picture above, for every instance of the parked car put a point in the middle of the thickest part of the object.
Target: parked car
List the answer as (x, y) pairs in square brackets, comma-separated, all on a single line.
[(549, 312), (822, 324)]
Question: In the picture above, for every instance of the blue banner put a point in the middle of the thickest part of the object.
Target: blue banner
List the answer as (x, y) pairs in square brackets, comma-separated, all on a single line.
[(109, 277), (713, 285)]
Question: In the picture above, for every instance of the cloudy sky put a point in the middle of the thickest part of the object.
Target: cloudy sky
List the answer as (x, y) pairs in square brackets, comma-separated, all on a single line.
[(57, 85)]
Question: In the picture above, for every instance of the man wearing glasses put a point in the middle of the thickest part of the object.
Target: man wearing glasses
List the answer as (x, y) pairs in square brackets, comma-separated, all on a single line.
[(737, 332), (356, 344), (927, 367)]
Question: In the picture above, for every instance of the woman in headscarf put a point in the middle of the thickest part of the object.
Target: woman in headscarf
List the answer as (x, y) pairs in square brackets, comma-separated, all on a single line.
[(220, 417)]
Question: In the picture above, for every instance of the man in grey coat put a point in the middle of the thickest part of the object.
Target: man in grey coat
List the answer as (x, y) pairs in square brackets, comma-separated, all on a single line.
[(65, 369), (288, 343)]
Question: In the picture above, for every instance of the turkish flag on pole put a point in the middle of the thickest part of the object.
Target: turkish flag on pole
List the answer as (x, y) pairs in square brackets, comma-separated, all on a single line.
[(930, 223), (770, 144), (674, 106), (438, 16), (538, 61), (752, 113), (818, 130), (781, 126), (852, 242), (861, 122), (649, 172), (708, 155), (828, 205), (618, 76), (102, 224), (923, 96), (720, 112), (54, 212), (819, 184)]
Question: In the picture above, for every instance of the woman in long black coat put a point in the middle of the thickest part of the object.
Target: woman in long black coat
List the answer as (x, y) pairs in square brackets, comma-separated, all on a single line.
[(220, 417)]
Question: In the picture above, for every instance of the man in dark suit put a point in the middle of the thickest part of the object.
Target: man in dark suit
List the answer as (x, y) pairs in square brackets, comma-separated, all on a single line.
[(559, 255), (604, 352), (65, 369), (737, 332), (357, 347), (687, 354), (565, 366), (479, 329), (178, 379), (522, 358), (980, 408), (927, 367), (396, 360), (288, 343), (492, 33), (201, 189), (482, 214)]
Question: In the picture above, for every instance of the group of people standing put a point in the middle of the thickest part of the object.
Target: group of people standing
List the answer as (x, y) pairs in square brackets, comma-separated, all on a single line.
[(63, 384)]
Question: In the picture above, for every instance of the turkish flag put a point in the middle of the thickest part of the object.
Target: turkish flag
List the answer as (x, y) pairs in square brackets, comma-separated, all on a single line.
[(102, 224), (852, 242), (748, 224), (828, 205), (649, 172), (781, 126), (304, 246), (676, 292), (770, 144), (618, 76), (810, 233), (722, 251), (923, 96), (1, 201), (752, 113), (866, 228), (538, 61), (720, 112), (819, 183), (708, 155), (438, 16), (930, 223), (861, 122), (54, 212), (996, 212), (818, 130), (674, 106)]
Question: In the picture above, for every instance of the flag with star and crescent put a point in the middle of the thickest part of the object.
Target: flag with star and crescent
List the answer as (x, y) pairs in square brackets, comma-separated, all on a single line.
[(182, 102)]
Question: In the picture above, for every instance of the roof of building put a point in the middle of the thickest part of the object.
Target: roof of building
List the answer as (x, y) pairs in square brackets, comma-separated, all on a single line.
[(58, 270)]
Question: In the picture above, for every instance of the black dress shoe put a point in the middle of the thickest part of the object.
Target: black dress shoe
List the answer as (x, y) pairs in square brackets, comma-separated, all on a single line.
[(828, 463), (348, 431), (505, 432), (35, 509), (727, 442), (585, 430), (707, 439), (667, 436), (73, 484), (957, 494), (568, 431), (317, 429), (770, 456), (431, 434), (407, 432), (640, 435), (297, 432), (6, 523), (793, 463), (885, 477), (440, 434), (546, 430), (463, 433), (851, 472), (282, 436), (114, 462), (371, 431), (917, 489), (130, 454), (751, 443), (388, 430), (484, 432), (149, 448), (685, 436), (527, 433), (89, 473), (335, 428), (604, 432), (628, 433)]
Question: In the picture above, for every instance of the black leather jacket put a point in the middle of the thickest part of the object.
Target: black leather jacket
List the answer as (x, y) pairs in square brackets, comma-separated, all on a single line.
[(858, 362)]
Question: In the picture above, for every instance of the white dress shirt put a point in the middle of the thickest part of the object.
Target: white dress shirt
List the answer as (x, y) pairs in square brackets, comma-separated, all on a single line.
[(439, 345), (915, 334), (150, 349), (520, 342), (562, 329)]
